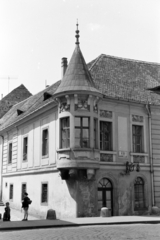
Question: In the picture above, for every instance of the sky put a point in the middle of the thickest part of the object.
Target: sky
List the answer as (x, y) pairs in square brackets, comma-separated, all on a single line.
[(36, 34)]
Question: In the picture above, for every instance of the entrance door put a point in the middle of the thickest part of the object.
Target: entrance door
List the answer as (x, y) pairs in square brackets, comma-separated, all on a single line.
[(105, 195)]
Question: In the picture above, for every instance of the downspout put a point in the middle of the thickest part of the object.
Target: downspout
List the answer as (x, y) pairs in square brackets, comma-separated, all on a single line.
[(1, 166), (150, 153)]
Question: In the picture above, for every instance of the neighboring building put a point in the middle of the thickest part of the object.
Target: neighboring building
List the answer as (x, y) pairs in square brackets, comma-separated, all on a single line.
[(17, 95), (86, 142)]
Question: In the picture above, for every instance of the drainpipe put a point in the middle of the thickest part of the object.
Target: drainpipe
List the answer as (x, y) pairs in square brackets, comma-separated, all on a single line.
[(150, 153), (1, 165)]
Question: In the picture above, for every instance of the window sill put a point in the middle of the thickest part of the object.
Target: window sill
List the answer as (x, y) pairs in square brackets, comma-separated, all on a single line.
[(82, 149), (63, 150), (45, 156), (44, 204), (109, 152), (139, 154)]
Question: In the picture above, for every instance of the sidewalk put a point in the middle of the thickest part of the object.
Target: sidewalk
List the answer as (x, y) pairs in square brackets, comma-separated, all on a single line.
[(16, 222)]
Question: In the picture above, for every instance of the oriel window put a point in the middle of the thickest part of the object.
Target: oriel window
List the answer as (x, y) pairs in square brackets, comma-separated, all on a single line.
[(65, 132), (106, 136), (95, 133), (25, 148), (137, 136), (45, 142), (82, 131)]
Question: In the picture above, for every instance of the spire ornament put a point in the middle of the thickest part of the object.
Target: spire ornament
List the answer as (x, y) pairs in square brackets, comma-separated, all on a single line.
[(77, 34)]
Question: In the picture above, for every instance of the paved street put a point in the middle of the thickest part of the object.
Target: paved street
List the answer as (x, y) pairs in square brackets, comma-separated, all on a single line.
[(114, 232)]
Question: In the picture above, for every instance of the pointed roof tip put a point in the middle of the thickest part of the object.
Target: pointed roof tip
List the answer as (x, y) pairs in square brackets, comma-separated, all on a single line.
[(77, 77), (77, 34)]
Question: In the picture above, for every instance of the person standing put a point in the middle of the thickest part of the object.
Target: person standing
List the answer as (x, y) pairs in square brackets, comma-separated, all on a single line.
[(6, 215), (25, 206)]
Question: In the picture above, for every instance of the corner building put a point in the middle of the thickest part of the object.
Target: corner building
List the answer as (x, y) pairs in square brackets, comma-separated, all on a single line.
[(84, 142)]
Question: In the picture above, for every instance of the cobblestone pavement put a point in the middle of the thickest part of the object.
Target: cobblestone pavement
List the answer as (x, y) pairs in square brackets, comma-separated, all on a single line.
[(114, 232)]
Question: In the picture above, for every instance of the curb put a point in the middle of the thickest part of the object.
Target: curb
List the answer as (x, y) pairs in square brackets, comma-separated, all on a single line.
[(28, 227)]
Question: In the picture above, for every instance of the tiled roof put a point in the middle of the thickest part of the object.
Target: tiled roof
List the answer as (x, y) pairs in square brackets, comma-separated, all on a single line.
[(126, 79), (114, 77), (77, 76), (28, 106), (17, 95)]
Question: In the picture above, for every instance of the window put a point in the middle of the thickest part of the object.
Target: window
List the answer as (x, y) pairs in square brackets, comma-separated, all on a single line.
[(45, 142), (44, 197), (95, 132), (106, 136), (10, 153), (25, 148), (24, 189), (137, 132), (65, 132), (139, 193), (82, 132), (11, 192)]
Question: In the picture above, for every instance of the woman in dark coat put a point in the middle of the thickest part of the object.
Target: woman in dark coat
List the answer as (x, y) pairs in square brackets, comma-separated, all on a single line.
[(25, 206)]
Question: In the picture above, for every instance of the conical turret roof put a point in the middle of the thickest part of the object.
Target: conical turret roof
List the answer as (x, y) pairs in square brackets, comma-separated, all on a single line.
[(77, 77)]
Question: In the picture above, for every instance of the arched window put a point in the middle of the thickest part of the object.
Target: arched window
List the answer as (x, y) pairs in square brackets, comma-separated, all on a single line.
[(139, 194)]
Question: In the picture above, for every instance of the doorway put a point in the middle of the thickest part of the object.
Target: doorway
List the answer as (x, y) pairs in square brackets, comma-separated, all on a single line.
[(105, 195)]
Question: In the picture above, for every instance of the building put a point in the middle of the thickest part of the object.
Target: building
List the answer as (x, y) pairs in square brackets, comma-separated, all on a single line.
[(88, 141)]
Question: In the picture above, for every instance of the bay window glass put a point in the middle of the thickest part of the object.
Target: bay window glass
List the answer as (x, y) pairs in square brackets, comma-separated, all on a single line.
[(65, 132), (82, 132)]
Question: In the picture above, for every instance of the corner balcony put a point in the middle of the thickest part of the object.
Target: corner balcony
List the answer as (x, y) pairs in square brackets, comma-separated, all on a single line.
[(78, 158)]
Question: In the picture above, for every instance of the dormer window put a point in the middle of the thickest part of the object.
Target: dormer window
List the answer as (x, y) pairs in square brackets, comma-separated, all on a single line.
[(46, 95), (19, 112)]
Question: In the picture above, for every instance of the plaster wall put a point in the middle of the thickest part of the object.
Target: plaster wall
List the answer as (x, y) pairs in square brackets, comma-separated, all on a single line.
[(61, 195), (123, 189)]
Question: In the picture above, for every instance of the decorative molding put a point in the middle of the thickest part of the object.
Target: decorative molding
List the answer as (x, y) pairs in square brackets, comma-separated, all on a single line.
[(138, 159), (106, 157), (137, 118), (64, 107), (105, 113), (95, 105), (82, 104)]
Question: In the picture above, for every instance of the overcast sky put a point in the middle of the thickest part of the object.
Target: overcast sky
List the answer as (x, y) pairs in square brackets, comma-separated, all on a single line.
[(36, 34)]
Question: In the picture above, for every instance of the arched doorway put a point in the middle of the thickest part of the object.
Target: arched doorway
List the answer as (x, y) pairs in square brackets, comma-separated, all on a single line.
[(105, 195)]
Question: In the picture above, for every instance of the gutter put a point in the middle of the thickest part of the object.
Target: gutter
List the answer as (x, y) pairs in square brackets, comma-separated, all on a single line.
[(150, 154), (1, 166)]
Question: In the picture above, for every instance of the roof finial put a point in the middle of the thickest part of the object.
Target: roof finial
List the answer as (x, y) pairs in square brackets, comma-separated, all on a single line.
[(77, 34)]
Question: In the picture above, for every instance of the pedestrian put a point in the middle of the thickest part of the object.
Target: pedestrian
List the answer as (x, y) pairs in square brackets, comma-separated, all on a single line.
[(7, 211), (25, 206)]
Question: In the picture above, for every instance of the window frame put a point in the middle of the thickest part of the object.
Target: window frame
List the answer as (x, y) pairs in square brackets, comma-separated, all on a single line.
[(65, 142), (136, 193), (11, 192), (47, 143), (45, 202), (134, 144), (81, 127), (101, 135), (10, 153), (25, 153), (22, 193), (95, 132)]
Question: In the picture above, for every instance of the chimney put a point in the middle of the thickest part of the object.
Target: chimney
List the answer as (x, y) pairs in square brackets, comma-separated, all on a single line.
[(64, 66), (1, 96)]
